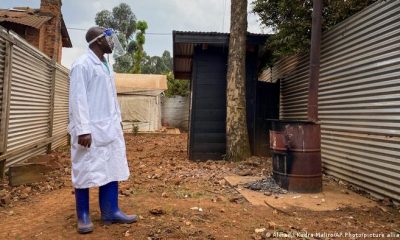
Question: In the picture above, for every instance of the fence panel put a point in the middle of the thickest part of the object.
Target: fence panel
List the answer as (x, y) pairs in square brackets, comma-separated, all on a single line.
[(33, 120), (29, 102)]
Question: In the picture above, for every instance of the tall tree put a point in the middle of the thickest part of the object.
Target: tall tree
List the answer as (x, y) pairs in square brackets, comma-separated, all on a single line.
[(291, 20), (140, 41), (157, 64), (163, 65), (123, 19), (237, 139)]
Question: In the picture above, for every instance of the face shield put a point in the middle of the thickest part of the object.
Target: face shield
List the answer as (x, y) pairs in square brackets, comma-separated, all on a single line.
[(113, 42)]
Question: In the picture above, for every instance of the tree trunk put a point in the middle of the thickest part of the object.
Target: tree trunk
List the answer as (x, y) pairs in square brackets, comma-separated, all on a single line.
[(237, 139)]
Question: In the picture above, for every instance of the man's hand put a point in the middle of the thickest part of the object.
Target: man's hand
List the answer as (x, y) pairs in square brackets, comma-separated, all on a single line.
[(85, 140)]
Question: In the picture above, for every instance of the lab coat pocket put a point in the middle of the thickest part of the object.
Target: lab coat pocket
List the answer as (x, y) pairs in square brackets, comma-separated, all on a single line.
[(104, 132)]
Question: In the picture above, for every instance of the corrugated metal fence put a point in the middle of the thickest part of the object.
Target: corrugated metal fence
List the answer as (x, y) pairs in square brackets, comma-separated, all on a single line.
[(359, 98), (34, 101)]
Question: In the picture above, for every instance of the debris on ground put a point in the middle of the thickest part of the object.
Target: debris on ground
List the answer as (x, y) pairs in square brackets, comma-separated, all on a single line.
[(163, 187), (267, 185), (157, 211)]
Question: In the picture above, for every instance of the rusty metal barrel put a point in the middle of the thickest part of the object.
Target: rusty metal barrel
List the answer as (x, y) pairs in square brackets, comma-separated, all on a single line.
[(296, 155)]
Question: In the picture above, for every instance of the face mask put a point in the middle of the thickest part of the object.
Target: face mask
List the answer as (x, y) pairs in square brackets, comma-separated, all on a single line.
[(113, 42)]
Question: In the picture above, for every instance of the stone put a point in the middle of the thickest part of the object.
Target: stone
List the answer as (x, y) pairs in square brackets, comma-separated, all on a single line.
[(24, 196), (157, 211), (27, 190), (220, 199), (5, 200), (27, 173), (259, 230), (244, 173), (272, 225), (3, 193)]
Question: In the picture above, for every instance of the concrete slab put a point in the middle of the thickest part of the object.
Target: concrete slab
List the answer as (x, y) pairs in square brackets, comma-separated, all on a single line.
[(333, 197)]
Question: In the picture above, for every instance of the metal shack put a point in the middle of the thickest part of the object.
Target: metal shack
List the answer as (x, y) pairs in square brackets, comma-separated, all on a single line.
[(202, 58)]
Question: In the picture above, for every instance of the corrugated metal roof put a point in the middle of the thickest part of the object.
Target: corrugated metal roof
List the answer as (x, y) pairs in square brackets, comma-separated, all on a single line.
[(184, 42), (126, 83), (215, 33), (32, 18), (265, 76), (25, 17)]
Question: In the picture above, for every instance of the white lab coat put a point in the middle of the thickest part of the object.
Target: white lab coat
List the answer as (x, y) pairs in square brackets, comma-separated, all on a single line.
[(93, 108)]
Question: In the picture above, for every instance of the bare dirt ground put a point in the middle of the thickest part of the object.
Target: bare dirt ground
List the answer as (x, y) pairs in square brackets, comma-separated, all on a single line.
[(179, 199)]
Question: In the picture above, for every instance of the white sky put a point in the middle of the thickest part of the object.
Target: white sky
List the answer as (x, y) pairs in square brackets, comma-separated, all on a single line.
[(162, 16)]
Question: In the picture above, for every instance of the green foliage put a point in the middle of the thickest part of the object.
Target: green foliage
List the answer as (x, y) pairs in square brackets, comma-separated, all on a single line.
[(124, 20), (123, 64), (132, 47), (163, 65), (141, 26), (121, 18), (157, 64), (291, 21), (177, 86), (140, 41)]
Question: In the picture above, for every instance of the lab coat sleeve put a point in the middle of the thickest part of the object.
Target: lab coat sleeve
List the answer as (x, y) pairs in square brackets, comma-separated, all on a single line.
[(79, 107)]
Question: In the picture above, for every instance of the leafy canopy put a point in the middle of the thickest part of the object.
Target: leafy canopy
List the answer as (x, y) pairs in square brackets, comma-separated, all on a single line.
[(291, 20), (121, 18), (132, 37), (124, 21)]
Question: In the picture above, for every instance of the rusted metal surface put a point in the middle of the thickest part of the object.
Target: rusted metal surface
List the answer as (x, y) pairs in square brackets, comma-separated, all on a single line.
[(297, 136), (29, 18), (296, 155), (312, 104)]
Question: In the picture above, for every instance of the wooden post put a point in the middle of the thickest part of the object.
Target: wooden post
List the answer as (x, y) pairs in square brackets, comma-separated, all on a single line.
[(5, 106), (52, 100)]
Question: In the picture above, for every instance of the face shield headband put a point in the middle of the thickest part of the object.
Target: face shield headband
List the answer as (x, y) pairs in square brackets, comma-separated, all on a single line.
[(113, 42)]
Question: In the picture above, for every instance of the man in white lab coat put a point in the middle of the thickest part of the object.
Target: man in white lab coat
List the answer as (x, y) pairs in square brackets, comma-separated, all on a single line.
[(97, 142)]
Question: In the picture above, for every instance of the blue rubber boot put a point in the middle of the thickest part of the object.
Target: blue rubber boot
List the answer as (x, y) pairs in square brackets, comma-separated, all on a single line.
[(85, 225), (110, 212)]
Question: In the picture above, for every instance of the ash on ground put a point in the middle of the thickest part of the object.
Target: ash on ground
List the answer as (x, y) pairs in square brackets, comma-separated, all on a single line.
[(267, 185)]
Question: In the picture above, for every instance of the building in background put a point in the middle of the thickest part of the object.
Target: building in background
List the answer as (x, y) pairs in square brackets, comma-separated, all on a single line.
[(202, 58), (44, 28), (139, 96)]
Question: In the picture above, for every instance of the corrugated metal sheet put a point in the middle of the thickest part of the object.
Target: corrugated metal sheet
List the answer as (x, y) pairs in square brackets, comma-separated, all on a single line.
[(2, 67), (184, 43), (294, 87), (30, 102), (266, 75), (359, 100), (28, 128), (60, 119), (183, 60)]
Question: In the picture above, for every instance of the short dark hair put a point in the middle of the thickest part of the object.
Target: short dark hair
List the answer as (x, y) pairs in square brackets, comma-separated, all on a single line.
[(93, 32)]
